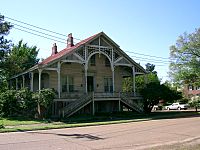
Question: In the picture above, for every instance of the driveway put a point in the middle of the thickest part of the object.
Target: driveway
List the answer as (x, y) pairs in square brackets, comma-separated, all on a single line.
[(135, 135)]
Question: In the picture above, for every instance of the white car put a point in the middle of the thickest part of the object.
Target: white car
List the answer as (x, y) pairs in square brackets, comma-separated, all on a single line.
[(177, 106)]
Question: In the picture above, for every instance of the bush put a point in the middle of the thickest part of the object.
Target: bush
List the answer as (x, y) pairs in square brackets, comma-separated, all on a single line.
[(17, 102), (9, 103), (44, 100), (24, 102)]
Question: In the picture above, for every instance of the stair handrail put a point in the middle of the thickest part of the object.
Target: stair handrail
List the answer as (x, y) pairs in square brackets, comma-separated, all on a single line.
[(126, 97), (73, 105)]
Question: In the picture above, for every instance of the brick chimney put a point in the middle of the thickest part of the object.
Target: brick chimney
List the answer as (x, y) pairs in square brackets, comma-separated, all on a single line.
[(70, 42), (54, 49)]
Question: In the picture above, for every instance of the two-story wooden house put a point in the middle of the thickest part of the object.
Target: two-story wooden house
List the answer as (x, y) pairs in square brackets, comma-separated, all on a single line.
[(87, 76)]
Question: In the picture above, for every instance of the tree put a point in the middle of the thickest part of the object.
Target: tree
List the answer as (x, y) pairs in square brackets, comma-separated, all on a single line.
[(195, 102), (4, 48), (185, 59), (20, 58), (154, 91), (150, 68), (4, 43), (140, 80)]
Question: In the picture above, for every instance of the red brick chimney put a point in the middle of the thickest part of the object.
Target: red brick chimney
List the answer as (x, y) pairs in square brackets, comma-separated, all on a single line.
[(70, 42), (54, 49)]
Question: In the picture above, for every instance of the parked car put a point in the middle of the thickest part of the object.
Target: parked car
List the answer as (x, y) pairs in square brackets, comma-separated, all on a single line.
[(177, 106)]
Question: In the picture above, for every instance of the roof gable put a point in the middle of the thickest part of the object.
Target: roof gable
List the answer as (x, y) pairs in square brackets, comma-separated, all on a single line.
[(93, 40)]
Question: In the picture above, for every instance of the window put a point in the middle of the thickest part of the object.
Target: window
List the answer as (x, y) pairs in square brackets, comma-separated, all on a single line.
[(107, 62), (93, 60), (67, 84), (108, 85)]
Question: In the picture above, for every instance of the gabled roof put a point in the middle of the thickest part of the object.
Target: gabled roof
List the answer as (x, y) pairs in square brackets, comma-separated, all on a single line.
[(66, 50)]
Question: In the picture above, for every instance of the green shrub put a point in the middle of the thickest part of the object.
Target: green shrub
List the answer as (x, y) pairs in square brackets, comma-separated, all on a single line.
[(9, 102), (25, 101), (44, 99)]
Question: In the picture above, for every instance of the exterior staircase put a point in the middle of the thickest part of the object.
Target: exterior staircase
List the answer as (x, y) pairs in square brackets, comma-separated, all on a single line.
[(126, 99), (76, 105)]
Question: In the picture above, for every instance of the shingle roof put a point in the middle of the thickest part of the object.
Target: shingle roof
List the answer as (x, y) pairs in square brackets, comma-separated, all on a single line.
[(66, 50)]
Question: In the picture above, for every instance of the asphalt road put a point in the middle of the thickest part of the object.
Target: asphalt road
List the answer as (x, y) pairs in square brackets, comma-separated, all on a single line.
[(135, 135)]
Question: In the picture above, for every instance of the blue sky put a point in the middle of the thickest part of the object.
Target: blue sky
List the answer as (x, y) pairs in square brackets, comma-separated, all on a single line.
[(148, 27)]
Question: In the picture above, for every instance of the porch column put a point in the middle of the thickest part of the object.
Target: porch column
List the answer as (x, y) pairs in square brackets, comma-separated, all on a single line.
[(133, 69), (40, 73), (58, 71), (113, 78), (23, 81), (31, 81), (16, 83), (85, 79)]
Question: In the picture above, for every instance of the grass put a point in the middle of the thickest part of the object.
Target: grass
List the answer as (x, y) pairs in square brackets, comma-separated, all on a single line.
[(26, 124), (14, 121)]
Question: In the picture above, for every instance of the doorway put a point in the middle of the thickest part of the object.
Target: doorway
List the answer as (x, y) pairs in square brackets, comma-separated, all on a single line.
[(90, 83)]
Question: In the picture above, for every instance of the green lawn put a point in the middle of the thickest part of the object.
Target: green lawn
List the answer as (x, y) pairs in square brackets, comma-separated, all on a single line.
[(26, 124), (14, 121)]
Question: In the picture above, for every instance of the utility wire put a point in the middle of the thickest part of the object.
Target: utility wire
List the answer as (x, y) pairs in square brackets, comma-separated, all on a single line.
[(151, 59), (156, 61), (37, 27), (146, 55), (39, 32), (38, 35)]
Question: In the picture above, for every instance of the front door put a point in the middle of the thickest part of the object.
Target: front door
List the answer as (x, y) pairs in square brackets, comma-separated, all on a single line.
[(90, 83)]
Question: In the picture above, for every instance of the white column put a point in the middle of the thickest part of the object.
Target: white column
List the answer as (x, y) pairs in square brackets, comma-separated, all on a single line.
[(85, 69), (85, 79), (16, 83), (23, 81), (31, 81), (113, 78), (133, 69), (58, 71), (40, 73)]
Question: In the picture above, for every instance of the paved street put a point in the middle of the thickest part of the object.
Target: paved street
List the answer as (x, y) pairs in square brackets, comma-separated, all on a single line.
[(135, 135)]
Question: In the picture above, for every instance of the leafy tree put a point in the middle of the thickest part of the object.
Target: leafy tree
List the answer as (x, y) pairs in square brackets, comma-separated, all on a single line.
[(21, 57), (150, 68), (185, 59), (141, 83), (127, 85), (154, 91), (4, 43), (140, 80), (4, 49), (195, 102)]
